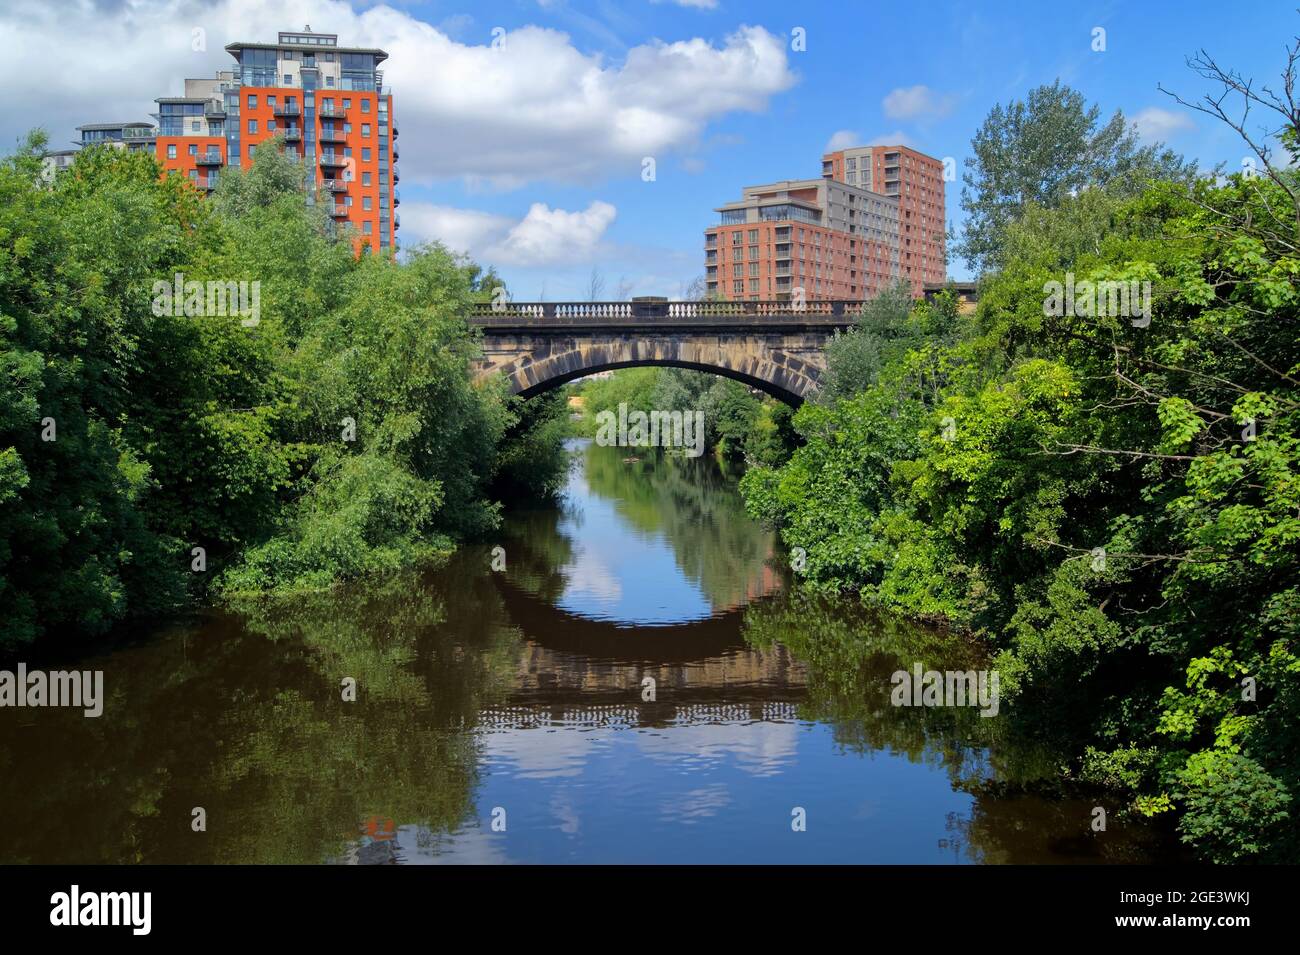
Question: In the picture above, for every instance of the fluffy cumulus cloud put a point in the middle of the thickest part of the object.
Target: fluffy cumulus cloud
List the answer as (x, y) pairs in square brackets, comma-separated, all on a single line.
[(917, 102), (842, 139), (528, 107), (1154, 124), (543, 237)]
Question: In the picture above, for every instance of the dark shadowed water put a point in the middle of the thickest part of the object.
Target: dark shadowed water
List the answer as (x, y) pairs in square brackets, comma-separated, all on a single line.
[(636, 685)]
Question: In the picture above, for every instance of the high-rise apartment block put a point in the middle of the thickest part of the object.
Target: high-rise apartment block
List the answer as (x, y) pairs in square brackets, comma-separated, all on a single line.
[(327, 102), (876, 216)]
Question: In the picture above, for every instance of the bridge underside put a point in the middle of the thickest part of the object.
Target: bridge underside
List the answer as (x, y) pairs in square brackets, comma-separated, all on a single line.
[(785, 367)]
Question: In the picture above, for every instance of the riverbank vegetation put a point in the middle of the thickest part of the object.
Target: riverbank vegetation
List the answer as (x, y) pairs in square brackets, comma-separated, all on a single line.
[(1109, 498), (148, 456), (739, 426)]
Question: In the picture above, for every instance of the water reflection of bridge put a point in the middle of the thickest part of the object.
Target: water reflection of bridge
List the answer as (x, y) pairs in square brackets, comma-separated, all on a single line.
[(524, 716)]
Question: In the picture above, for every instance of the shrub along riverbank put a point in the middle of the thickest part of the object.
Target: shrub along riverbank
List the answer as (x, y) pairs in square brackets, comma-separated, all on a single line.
[(739, 426), (148, 459), (1110, 500)]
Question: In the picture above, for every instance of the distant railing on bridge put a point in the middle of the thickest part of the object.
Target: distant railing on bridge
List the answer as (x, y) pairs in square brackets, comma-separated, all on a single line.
[(663, 310)]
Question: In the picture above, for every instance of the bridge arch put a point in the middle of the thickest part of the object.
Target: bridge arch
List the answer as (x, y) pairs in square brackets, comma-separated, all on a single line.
[(774, 377), (776, 346)]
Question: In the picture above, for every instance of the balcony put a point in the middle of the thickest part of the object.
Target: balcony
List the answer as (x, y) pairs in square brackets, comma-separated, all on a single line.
[(396, 176), (329, 112), (334, 185), (340, 212), (397, 198), (337, 160), (209, 159), (293, 135), (331, 136), (206, 183), (287, 109)]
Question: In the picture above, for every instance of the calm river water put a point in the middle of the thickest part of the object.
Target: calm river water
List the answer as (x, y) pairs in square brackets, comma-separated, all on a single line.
[(506, 716)]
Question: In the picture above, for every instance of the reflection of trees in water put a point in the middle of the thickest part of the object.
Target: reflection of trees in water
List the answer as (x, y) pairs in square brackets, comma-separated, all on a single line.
[(248, 722), (692, 505), (1019, 812)]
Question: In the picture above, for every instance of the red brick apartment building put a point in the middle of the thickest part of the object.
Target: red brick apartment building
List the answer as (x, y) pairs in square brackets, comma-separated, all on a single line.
[(874, 217), (327, 101)]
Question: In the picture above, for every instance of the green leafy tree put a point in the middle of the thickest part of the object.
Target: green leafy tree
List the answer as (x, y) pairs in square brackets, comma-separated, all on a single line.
[(1041, 150)]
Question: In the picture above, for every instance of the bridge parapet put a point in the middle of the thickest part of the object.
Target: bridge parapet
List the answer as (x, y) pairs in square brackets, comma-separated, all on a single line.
[(662, 311), (773, 345)]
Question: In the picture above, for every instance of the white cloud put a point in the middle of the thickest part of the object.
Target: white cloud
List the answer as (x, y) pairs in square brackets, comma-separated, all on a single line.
[(461, 230), (842, 139), (543, 237), (535, 109), (917, 102), (1156, 125), (547, 236)]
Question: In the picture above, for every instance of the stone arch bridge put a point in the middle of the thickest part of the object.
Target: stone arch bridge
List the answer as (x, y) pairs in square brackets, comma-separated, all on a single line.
[(773, 346)]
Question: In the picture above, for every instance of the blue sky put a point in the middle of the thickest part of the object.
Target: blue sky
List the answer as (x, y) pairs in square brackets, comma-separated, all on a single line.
[(524, 125)]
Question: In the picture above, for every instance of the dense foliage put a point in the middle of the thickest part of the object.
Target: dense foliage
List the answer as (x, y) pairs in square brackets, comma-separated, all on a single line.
[(1112, 503), (738, 425), (335, 433)]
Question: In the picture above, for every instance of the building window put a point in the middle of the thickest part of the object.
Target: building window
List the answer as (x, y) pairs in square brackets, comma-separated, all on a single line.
[(288, 79), (194, 125), (365, 154), (365, 203), (252, 126), (753, 235), (347, 103), (365, 106), (368, 227), (194, 149), (365, 179), (365, 130), (252, 101), (171, 151)]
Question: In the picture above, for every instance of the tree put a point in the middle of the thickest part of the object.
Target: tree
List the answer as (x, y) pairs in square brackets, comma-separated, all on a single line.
[(1039, 151), (596, 285)]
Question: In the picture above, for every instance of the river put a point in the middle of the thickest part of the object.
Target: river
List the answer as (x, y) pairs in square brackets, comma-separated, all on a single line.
[(627, 676)]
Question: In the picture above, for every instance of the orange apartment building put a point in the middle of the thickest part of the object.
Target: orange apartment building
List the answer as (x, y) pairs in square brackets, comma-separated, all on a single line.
[(329, 104), (876, 216)]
